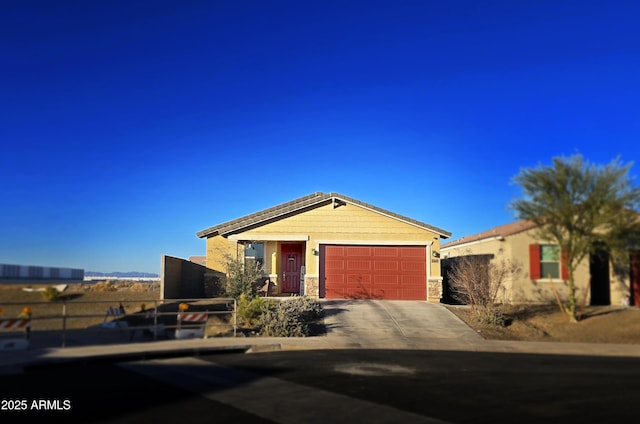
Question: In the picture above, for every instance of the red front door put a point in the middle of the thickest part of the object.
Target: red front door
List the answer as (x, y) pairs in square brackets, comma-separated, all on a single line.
[(291, 256), (635, 279)]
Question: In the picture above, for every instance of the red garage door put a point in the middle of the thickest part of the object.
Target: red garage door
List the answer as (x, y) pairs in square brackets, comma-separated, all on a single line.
[(373, 272)]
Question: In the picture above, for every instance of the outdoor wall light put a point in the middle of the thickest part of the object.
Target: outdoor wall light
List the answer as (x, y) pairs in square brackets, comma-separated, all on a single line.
[(435, 254), (314, 252)]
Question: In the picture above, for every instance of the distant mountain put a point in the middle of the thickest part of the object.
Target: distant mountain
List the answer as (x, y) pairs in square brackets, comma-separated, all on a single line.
[(131, 274)]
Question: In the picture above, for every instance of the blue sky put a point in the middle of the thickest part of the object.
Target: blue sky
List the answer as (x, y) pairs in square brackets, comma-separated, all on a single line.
[(127, 127)]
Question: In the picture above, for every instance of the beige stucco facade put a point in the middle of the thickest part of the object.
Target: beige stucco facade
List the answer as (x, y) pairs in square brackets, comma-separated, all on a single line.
[(522, 288), (344, 223)]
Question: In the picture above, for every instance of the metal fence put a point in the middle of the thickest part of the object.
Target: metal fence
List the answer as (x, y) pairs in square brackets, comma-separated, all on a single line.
[(73, 322)]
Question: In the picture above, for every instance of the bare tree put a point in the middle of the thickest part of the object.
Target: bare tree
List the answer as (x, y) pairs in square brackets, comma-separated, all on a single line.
[(477, 280)]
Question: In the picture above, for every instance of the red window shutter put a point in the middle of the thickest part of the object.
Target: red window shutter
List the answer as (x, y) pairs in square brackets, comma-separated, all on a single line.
[(534, 261), (563, 266)]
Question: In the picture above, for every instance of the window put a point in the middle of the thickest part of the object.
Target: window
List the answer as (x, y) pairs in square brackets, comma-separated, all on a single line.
[(254, 253), (545, 261), (549, 261)]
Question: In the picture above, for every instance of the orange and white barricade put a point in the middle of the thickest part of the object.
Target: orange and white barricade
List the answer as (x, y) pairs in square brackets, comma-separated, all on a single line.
[(191, 325), (117, 313), (15, 325)]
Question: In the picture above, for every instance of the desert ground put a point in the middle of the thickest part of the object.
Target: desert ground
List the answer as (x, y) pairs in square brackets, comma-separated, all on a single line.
[(601, 324), (89, 302)]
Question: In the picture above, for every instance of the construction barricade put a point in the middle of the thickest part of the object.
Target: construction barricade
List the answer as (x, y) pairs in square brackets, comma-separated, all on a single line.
[(190, 325), (16, 333)]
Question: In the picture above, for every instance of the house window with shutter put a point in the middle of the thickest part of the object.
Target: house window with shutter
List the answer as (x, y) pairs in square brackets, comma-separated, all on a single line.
[(549, 261), (545, 262)]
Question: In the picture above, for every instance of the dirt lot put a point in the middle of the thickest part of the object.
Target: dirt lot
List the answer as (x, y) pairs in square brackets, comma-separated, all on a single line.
[(600, 324), (86, 308), (87, 302)]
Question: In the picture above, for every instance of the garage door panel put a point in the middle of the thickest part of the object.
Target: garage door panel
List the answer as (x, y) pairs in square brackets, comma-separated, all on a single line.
[(411, 294), (357, 293), (334, 264), (336, 294), (384, 294), (337, 280), (413, 252), (386, 280), (411, 280), (355, 265), (358, 279), (412, 267), (386, 252), (334, 251), (379, 272), (358, 251), (385, 265)]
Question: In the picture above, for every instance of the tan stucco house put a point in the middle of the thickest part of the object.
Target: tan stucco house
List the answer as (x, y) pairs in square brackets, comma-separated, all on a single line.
[(328, 245), (543, 270)]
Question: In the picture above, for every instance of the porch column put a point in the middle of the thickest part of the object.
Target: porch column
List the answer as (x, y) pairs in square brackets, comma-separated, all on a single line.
[(273, 276)]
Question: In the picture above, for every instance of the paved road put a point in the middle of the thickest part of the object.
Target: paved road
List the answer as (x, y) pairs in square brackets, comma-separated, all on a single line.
[(421, 365), (339, 386)]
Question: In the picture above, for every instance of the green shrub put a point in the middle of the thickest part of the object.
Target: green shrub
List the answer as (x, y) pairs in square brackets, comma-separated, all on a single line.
[(250, 309), (241, 277), (291, 318), (50, 294)]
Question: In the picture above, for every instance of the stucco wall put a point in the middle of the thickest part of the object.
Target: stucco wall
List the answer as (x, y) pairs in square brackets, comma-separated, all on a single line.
[(620, 289), (217, 248)]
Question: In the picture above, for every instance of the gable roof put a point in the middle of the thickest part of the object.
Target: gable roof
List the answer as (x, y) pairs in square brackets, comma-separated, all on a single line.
[(299, 205), (499, 231)]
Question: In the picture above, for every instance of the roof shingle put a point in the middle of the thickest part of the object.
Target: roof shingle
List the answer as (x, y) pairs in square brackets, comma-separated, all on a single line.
[(499, 231)]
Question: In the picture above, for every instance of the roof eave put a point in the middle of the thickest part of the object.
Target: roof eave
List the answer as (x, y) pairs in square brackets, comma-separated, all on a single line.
[(251, 220), (495, 235)]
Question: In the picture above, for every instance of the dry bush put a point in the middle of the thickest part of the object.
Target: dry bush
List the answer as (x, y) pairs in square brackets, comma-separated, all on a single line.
[(139, 287), (50, 294), (104, 286), (476, 280), (291, 318)]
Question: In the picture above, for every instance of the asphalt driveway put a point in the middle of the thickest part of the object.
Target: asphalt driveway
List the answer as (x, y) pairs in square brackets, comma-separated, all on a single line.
[(395, 323)]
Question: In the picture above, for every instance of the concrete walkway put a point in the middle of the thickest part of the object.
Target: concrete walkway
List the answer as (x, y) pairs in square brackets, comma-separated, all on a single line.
[(350, 325), (388, 324)]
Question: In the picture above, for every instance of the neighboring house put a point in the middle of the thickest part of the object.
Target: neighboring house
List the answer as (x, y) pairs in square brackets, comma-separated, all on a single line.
[(543, 271), (333, 246)]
